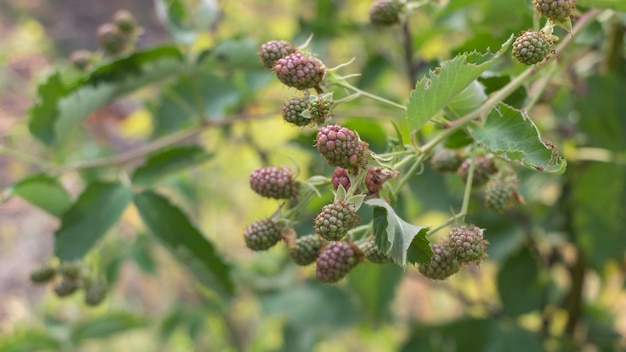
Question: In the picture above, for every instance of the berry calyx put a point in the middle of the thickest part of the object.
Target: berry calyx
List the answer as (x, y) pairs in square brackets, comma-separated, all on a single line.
[(306, 249), (299, 71), (293, 109), (483, 169), (111, 39), (385, 12), (334, 220), (557, 11), (532, 47), (443, 263), (273, 50), (336, 261), (445, 160), (467, 244), (274, 182), (375, 255), (262, 235), (42, 275), (320, 109), (342, 147)]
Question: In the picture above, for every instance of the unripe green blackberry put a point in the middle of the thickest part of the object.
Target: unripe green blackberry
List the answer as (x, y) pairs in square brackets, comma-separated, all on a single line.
[(375, 255), (336, 261), (70, 270), (334, 221), (95, 292), (274, 182), (557, 11), (125, 22), (443, 263), (306, 250), (42, 275), (111, 39), (532, 47), (467, 244), (66, 287), (385, 12), (81, 59), (484, 168), (300, 71), (321, 110), (499, 195), (292, 111), (341, 147), (445, 160), (273, 50), (340, 177), (262, 235)]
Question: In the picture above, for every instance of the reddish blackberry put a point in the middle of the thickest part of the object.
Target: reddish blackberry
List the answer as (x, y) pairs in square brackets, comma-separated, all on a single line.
[(293, 109), (262, 235), (385, 12), (300, 71), (443, 263), (306, 250), (340, 177), (484, 168), (557, 11), (532, 47), (274, 182), (375, 255), (334, 221), (445, 160), (341, 147), (273, 50), (336, 261), (467, 244)]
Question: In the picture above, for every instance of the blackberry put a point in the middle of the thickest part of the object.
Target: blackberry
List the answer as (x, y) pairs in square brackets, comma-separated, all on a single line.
[(557, 11), (262, 235), (499, 195), (385, 12), (334, 221), (125, 22), (336, 261), (95, 292), (273, 50), (484, 168), (81, 59), (293, 109), (111, 39), (340, 177), (342, 147), (532, 47), (42, 275), (299, 71), (320, 109), (306, 250), (467, 244), (443, 263), (274, 182), (66, 287), (445, 160), (375, 255)]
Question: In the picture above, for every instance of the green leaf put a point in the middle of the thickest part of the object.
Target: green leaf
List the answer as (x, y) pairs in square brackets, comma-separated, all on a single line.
[(94, 212), (376, 285), (467, 335), (399, 235), (171, 226), (105, 326), (62, 106), (185, 24), (470, 99), (520, 285), (141, 253), (599, 204), (618, 5), (162, 163), (29, 341), (510, 134), (509, 337), (43, 191), (434, 93)]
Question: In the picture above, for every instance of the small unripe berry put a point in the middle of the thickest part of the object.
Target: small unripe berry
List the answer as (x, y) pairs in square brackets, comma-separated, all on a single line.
[(375, 255), (300, 71), (293, 109), (342, 147), (385, 12), (274, 182), (334, 221), (66, 287), (467, 244), (70, 270), (111, 39), (81, 59), (531, 47), (557, 11), (320, 110), (499, 195), (336, 261), (262, 235), (443, 263), (125, 22), (42, 275), (306, 249), (445, 160), (484, 168), (95, 292), (273, 50)]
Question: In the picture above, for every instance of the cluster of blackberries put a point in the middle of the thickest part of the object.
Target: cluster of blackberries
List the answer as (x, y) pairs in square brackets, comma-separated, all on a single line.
[(464, 245), (500, 185), (67, 279), (533, 47), (115, 37)]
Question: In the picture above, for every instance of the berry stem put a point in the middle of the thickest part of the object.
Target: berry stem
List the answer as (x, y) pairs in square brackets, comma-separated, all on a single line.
[(468, 187), (358, 91)]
